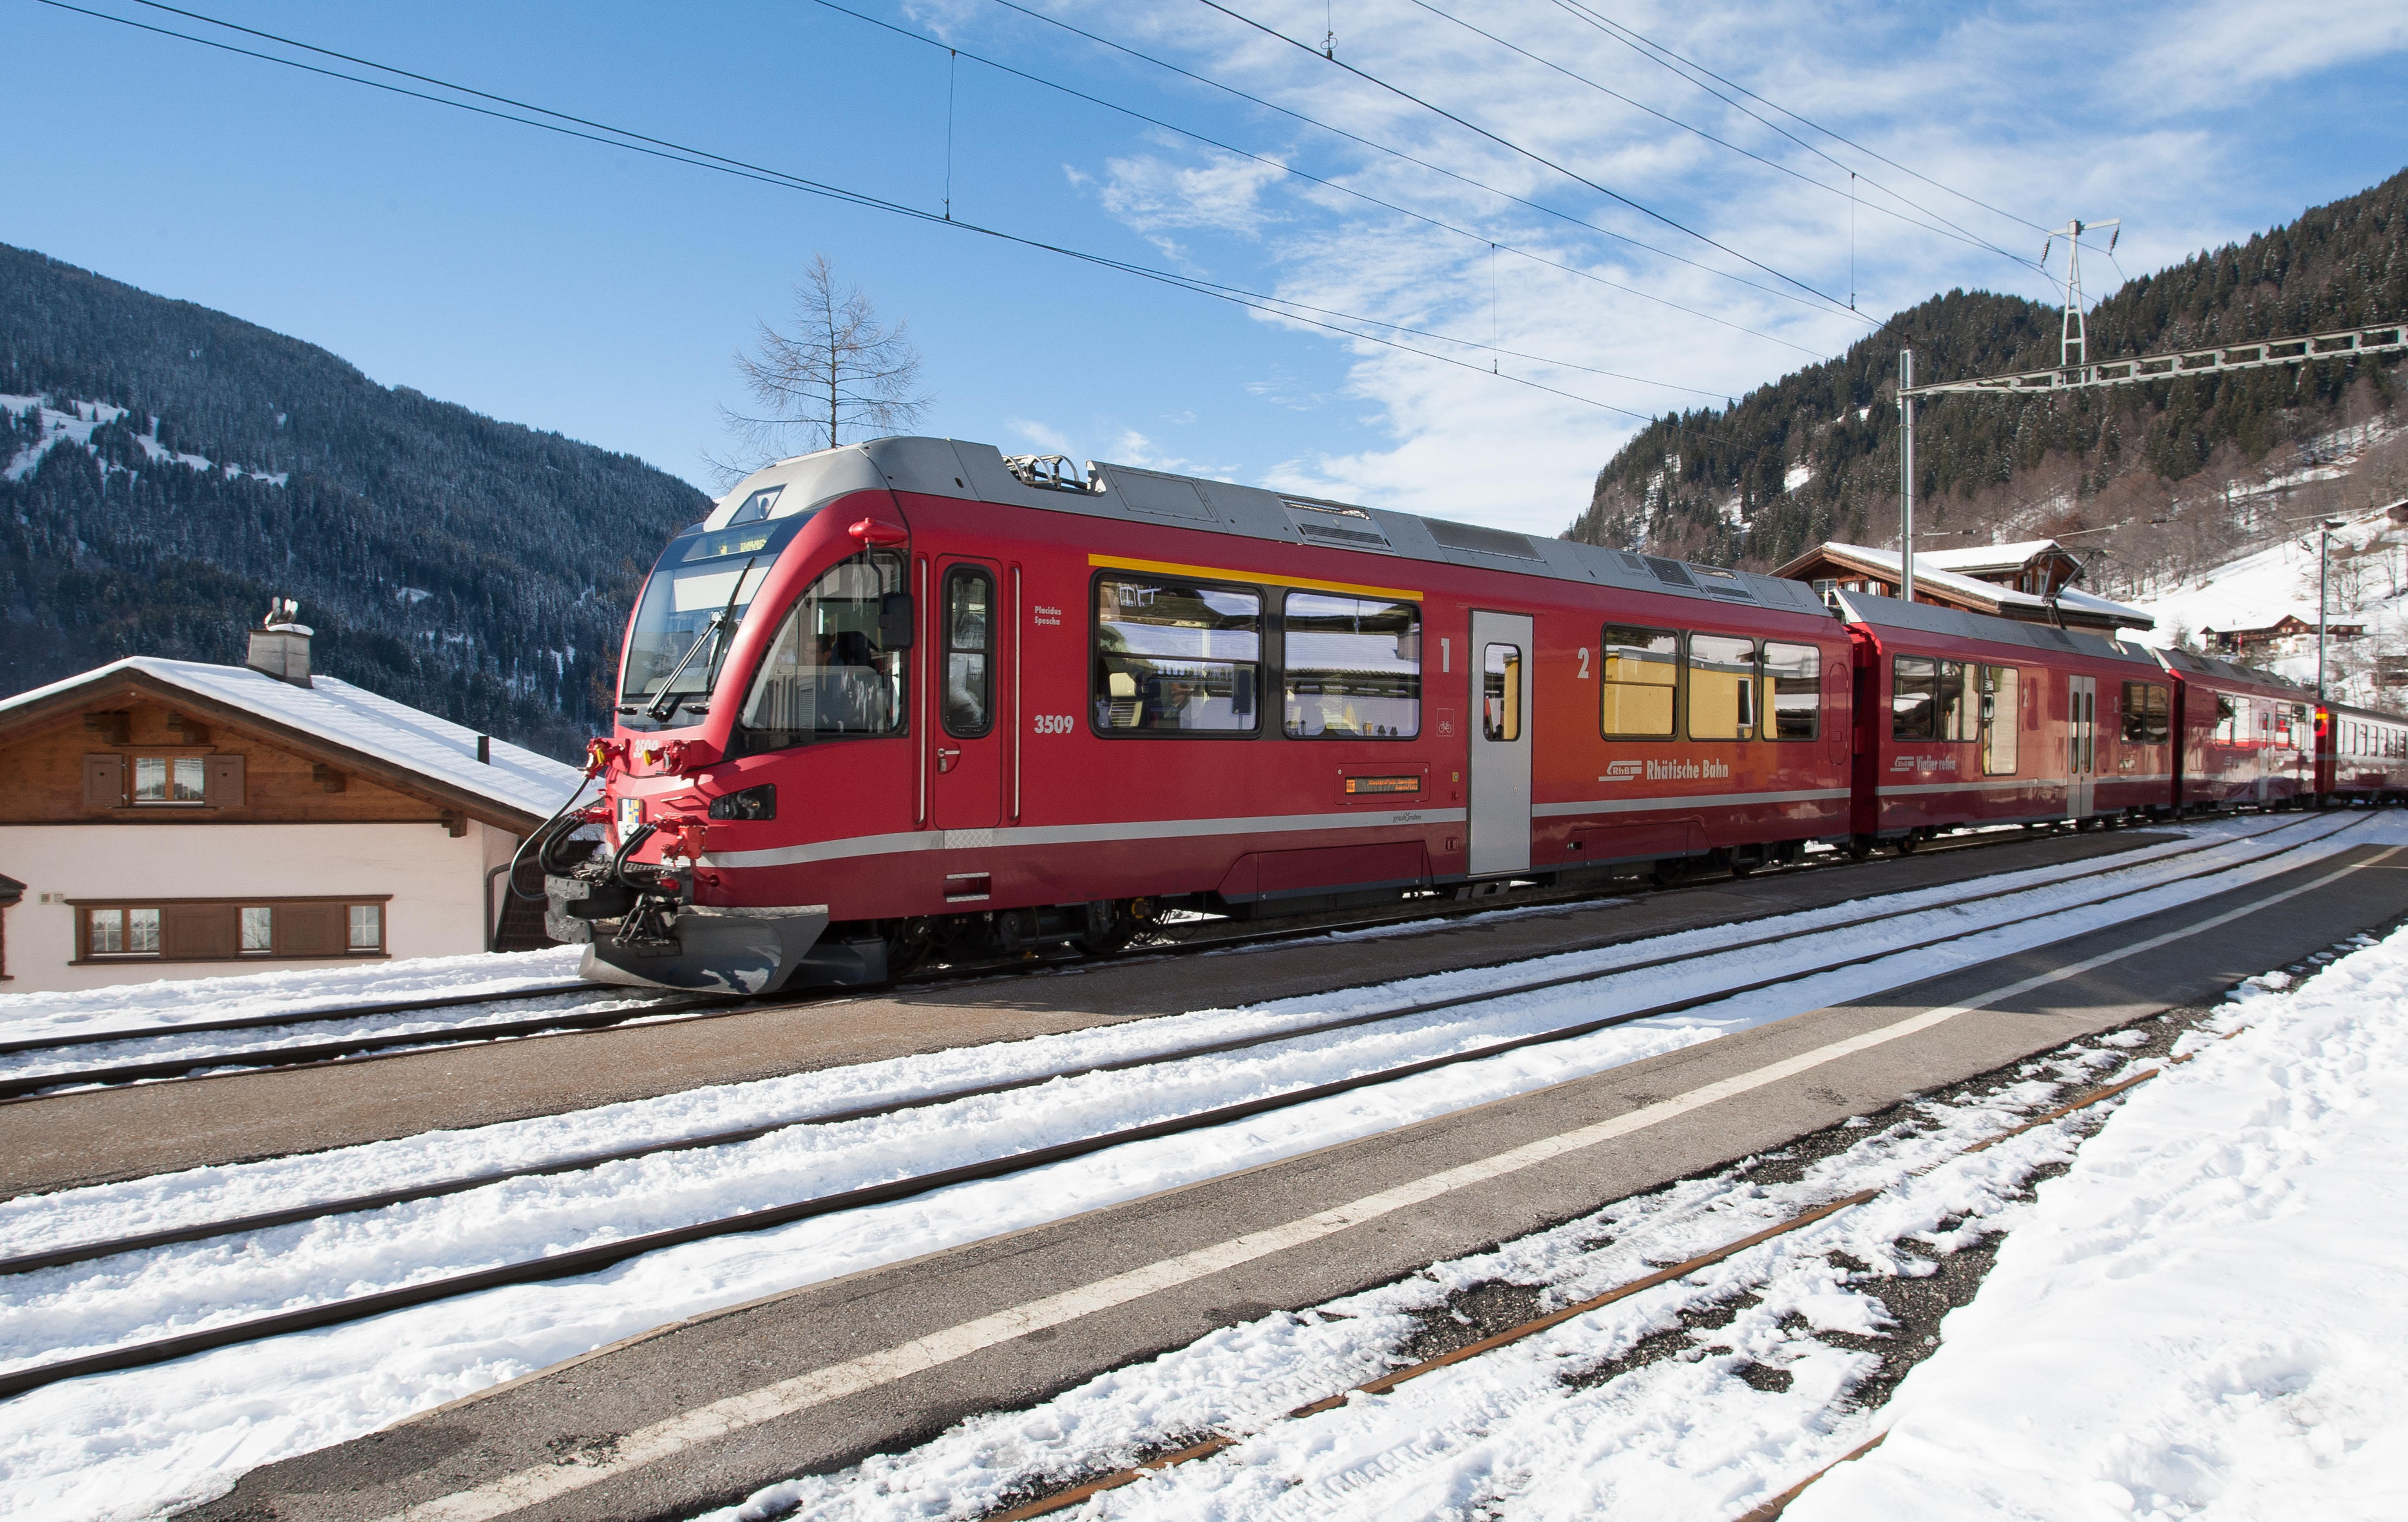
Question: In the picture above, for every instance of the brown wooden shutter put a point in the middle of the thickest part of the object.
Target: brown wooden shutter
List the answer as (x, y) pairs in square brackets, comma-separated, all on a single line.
[(104, 781), (223, 782), (198, 930), (310, 930)]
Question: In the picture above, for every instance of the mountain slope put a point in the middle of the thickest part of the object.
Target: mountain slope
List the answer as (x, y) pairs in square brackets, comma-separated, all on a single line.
[(1814, 455), (166, 468)]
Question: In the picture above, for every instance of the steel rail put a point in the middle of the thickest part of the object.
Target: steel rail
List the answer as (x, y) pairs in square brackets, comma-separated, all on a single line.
[(298, 1016), (1383, 1383), (379, 1199), (705, 1006), (588, 1260)]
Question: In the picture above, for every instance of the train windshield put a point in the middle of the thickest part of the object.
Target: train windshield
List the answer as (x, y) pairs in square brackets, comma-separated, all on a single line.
[(701, 576)]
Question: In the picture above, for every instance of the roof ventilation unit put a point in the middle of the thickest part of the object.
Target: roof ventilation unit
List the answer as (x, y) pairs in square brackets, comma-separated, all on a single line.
[(1670, 573), (1328, 524), (1481, 541)]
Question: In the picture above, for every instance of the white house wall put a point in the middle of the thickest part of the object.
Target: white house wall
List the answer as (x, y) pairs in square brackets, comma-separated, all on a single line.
[(437, 883)]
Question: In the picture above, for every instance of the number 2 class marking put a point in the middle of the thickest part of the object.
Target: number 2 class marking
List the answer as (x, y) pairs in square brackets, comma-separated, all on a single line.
[(1584, 655)]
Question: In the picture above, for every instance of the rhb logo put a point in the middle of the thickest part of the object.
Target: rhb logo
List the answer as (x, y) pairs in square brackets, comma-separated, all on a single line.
[(1622, 771)]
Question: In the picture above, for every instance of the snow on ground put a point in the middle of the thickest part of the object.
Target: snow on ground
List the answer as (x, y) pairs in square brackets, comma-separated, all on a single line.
[(2208, 1316), (131, 1444), (2203, 1317)]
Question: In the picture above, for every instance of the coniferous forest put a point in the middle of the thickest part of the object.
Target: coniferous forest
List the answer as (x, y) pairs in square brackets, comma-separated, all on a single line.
[(474, 568), (1814, 456)]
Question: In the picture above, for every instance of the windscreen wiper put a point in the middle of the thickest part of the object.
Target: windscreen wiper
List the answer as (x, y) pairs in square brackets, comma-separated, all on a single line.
[(667, 703)]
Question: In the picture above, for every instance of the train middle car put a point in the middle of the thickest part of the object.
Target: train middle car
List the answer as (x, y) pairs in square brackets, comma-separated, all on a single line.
[(1967, 720), (910, 698)]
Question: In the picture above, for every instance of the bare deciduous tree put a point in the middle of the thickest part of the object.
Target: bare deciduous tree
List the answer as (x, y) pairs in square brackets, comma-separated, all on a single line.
[(839, 370)]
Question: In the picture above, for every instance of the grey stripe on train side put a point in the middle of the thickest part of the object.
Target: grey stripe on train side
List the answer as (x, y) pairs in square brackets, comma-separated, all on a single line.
[(1077, 834), (1694, 800)]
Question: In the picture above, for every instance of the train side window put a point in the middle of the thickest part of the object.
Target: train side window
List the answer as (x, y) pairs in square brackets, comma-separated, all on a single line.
[(2144, 714), (1913, 697), (1176, 657), (1641, 671), (1722, 688), (2000, 686), (1352, 667), (827, 674), (1794, 675), (2224, 720), (1501, 691), (1960, 711), (970, 647)]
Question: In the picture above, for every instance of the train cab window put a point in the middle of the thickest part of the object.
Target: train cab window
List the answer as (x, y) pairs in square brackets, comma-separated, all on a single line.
[(1176, 657), (1501, 691), (1960, 707), (969, 651), (1722, 688), (2001, 690), (827, 674), (1354, 668), (1794, 675), (1642, 671), (695, 599), (1913, 697), (2144, 714)]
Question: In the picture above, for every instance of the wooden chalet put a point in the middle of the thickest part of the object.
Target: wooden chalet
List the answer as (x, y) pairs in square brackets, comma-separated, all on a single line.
[(2027, 581)]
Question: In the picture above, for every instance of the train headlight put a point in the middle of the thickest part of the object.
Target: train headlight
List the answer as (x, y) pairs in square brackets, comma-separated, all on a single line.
[(759, 802), (630, 814)]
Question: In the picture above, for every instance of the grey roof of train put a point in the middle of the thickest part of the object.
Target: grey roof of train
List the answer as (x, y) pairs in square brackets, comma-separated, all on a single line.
[(976, 472), (1956, 623), (2209, 665)]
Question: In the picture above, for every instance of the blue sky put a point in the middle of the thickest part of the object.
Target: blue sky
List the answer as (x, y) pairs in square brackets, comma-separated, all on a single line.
[(591, 290)]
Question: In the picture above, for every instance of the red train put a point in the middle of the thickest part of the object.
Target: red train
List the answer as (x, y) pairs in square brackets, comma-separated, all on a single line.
[(910, 698)]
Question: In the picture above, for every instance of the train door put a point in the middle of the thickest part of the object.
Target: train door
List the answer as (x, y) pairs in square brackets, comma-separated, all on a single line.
[(2081, 745), (1501, 666), (967, 739)]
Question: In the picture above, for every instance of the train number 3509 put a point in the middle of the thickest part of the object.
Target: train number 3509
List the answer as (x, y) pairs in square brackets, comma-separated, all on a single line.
[(1053, 723)]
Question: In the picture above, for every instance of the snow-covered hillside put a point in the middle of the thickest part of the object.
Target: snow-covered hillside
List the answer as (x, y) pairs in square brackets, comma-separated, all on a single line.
[(2366, 584)]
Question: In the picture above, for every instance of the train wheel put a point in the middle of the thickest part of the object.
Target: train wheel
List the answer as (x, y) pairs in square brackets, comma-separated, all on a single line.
[(1907, 842), (1859, 847)]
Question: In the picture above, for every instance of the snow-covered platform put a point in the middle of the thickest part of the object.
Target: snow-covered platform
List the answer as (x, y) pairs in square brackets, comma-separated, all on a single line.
[(997, 1296)]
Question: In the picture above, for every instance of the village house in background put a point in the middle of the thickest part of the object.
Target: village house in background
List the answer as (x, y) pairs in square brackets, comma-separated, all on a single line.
[(2031, 582), (2288, 635), (174, 820)]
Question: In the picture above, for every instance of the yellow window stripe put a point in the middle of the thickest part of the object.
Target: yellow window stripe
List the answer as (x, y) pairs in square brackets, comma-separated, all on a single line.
[(1113, 563)]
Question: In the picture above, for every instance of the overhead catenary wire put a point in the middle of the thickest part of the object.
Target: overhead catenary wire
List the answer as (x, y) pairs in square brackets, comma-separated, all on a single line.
[(1418, 162), (1938, 225), (628, 140), (1831, 302), (1340, 186), (1656, 53)]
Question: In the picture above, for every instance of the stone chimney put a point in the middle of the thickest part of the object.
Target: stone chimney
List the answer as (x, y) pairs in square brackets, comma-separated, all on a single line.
[(280, 646)]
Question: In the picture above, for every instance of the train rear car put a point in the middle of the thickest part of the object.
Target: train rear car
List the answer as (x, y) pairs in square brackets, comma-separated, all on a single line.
[(2361, 755), (1965, 720), (2245, 734)]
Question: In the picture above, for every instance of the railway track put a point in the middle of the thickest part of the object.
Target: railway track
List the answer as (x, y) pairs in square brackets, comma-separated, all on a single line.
[(35, 1078), (1380, 1052)]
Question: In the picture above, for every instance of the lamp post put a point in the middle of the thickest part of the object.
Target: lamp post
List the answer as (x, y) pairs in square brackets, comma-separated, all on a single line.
[(2323, 549)]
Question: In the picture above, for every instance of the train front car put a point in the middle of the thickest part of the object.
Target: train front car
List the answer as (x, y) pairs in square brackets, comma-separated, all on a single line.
[(765, 676)]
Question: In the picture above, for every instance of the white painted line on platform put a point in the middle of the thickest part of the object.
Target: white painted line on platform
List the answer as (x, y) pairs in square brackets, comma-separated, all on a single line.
[(675, 1434)]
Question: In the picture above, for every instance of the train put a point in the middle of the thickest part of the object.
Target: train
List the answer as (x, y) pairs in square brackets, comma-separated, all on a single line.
[(913, 699)]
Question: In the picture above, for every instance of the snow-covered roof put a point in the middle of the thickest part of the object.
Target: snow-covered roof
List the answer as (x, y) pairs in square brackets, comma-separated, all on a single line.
[(352, 719), (1984, 594), (1986, 557)]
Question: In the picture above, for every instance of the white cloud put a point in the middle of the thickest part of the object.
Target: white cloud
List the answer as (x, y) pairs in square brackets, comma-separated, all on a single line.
[(2046, 111)]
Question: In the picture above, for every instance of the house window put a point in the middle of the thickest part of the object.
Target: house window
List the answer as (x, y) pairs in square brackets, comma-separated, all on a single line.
[(224, 930), (169, 779)]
